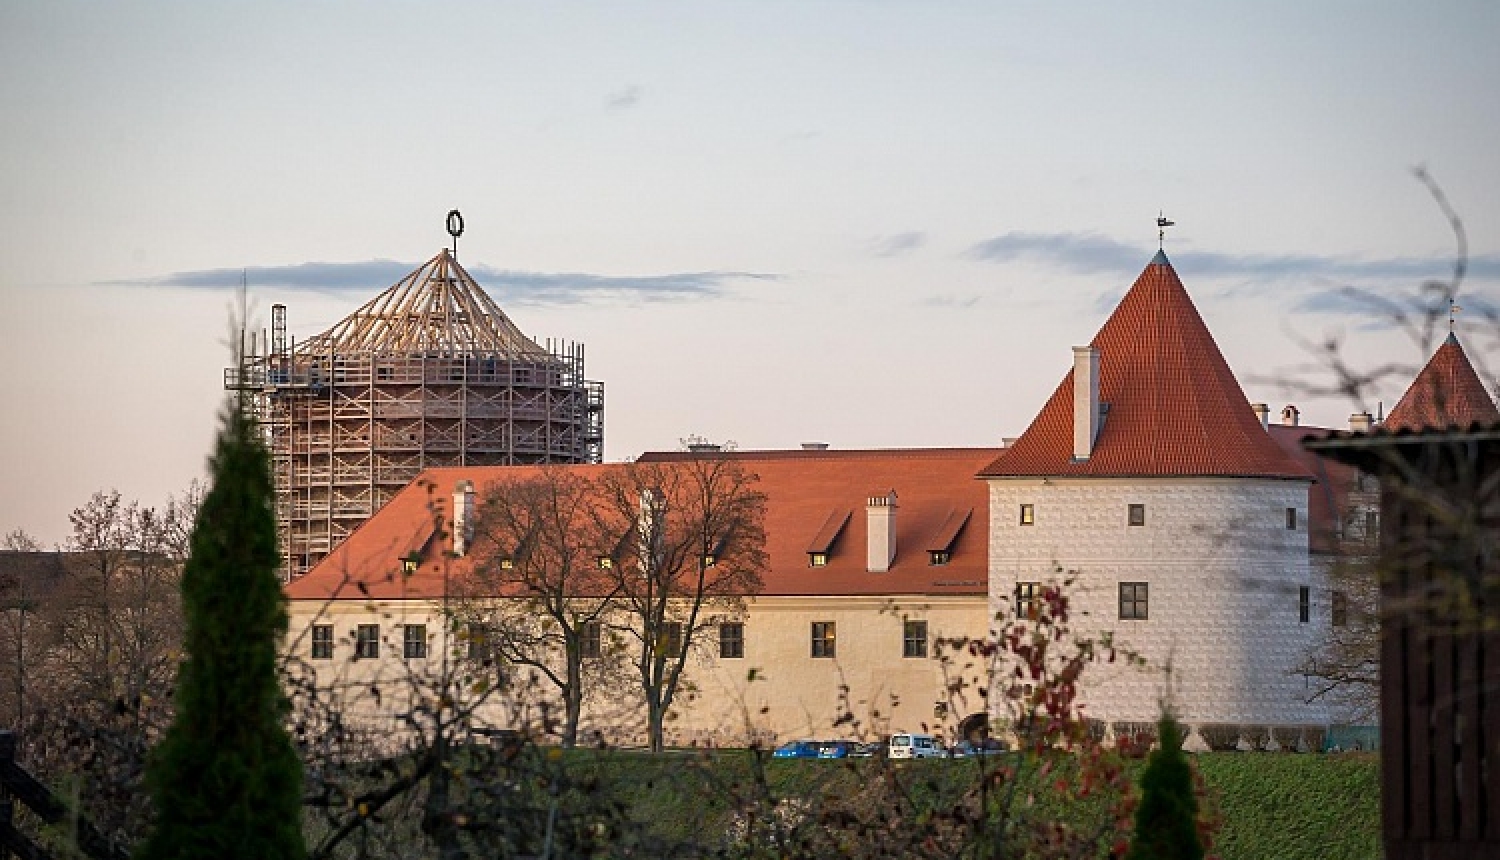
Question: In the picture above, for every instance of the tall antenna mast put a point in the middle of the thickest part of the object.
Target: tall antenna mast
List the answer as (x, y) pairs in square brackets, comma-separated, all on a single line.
[(455, 229)]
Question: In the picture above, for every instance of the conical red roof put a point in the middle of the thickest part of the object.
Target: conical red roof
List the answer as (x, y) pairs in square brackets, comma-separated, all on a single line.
[(1175, 408), (1447, 393)]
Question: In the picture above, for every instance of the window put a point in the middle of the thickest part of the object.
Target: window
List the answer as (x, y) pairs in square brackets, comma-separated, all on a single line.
[(817, 559), (605, 562), (410, 563), (1028, 594), (366, 641), (479, 642), (914, 639), (507, 563), (709, 560), (731, 639), (1304, 600), (1340, 609), (938, 557), (1134, 604), (414, 641), (1028, 515), (1291, 519), (669, 639), (1372, 526), (1137, 515), (592, 644), (322, 642), (823, 639)]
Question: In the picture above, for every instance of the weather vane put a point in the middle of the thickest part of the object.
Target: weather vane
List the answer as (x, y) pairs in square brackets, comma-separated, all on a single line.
[(455, 229), (1162, 223), (1453, 310)]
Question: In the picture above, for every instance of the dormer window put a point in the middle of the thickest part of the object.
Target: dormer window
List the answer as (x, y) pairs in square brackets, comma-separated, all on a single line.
[(817, 559), (709, 560), (507, 563), (939, 557), (606, 562), (410, 563)]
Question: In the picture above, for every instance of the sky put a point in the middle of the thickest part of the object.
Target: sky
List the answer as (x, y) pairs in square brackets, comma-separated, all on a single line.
[(871, 224)]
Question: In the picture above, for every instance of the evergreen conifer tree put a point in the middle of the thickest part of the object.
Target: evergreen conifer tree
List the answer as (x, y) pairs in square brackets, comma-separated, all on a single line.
[(225, 780), (1166, 823)]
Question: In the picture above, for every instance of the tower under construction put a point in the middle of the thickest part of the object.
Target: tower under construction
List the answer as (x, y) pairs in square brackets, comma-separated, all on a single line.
[(430, 372)]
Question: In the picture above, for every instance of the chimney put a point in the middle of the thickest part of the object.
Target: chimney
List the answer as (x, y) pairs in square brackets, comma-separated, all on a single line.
[(815, 446), (881, 513), (1085, 400), (1361, 422), (1290, 416), (1262, 414), (463, 516)]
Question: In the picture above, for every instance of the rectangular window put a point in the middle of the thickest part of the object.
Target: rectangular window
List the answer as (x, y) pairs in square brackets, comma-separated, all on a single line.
[(1291, 519), (1340, 609), (823, 639), (1134, 601), (605, 562), (817, 559), (414, 641), (592, 644), (1372, 526), (1304, 602), (1137, 515), (366, 641), (731, 640), (914, 639), (322, 642), (479, 642), (669, 639), (1027, 595), (1028, 515), (938, 557)]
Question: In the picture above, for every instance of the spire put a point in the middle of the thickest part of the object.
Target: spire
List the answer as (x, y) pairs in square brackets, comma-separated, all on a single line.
[(1447, 393), (1170, 405)]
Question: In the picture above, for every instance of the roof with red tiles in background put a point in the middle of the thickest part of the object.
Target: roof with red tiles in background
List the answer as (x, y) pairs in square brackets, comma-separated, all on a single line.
[(935, 489), (1447, 393), (1328, 498), (1175, 408)]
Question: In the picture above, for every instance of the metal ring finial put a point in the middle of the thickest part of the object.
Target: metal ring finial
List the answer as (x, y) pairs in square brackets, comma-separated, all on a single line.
[(455, 228)]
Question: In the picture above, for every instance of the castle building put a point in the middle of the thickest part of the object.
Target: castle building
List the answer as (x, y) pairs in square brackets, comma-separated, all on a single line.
[(429, 373), (1148, 475)]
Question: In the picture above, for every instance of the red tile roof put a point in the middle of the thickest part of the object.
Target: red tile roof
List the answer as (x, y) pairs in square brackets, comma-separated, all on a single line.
[(801, 487), (1174, 406), (1447, 393)]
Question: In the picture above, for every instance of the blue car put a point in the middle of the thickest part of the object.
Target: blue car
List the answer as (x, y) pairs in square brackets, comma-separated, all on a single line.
[(797, 749), (836, 749)]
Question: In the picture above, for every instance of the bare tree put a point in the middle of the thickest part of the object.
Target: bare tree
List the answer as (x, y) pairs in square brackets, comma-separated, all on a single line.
[(692, 548), (537, 596)]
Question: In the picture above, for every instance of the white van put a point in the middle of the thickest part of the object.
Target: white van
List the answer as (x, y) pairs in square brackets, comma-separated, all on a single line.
[(908, 745)]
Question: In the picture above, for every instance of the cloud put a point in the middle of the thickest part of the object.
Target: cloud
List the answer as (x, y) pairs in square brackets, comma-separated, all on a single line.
[(622, 99), (951, 301), (519, 287), (896, 244), (1090, 253)]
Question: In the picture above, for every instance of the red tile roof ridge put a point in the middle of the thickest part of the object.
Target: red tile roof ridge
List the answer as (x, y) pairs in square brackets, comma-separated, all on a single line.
[(1174, 406), (817, 454)]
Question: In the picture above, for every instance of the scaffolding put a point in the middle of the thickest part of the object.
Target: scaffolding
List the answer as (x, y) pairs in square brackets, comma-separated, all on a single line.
[(428, 373)]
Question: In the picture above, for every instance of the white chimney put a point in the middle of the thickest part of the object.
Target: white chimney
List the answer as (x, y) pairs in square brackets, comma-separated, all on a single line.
[(1262, 414), (1290, 416), (1361, 422), (463, 516), (881, 517), (1085, 400)]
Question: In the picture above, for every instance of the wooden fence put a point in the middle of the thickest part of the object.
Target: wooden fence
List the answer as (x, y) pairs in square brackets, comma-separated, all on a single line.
[(18, 785)]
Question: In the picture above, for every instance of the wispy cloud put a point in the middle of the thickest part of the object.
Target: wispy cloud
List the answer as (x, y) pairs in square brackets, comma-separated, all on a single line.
[(535, 288), (897, 244), (1090, 253), (621, 99)]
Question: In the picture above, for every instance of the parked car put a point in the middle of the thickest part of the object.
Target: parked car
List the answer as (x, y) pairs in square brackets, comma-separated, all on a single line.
[(909, 745), (987, 746), (870, 750), (836, 749), (797, 749)]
